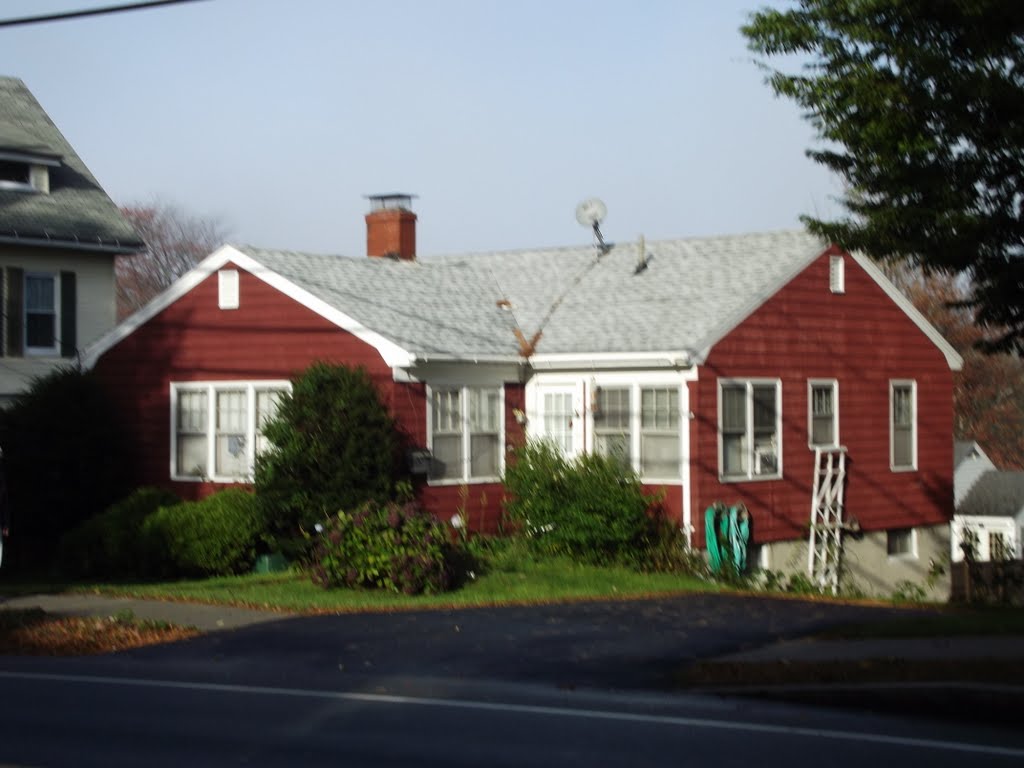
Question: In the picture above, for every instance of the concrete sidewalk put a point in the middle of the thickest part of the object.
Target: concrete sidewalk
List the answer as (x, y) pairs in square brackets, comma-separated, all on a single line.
[(206, 618)]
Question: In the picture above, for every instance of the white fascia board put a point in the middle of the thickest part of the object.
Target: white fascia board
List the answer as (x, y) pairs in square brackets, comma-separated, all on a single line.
[(392, 354), (575, 361), (953, 358)]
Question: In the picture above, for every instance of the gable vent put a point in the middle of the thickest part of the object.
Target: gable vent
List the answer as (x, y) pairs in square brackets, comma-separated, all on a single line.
[(837, 274), (227, 284)]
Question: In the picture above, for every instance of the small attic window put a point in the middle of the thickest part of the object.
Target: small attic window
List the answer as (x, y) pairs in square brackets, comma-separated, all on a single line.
[(227, 280), (15, 175), (837, 274)]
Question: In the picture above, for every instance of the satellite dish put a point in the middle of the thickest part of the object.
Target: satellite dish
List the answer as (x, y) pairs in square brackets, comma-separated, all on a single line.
[(591, 212)]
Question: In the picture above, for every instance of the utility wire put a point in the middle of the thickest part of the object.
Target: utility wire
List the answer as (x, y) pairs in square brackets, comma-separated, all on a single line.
[(105, 10)]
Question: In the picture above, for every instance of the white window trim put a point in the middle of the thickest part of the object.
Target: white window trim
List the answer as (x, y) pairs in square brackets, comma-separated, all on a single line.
[(750, 476), (893, 383), (811, 384), (466, 435), (41, 351), (576, 433), (912, 554), (211, 388)]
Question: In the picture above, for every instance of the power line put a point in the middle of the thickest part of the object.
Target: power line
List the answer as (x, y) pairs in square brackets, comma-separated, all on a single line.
[(105, 10)]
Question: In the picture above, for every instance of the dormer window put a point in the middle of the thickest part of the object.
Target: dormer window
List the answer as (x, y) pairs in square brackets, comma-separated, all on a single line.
[(25, 172), (15, 175)]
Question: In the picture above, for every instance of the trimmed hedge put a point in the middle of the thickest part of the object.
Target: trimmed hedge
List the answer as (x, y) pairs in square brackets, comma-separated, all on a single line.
[(216, 536), (109, 546)]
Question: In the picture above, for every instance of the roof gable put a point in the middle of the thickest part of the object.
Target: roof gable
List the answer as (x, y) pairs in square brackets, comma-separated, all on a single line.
[(76, 212)]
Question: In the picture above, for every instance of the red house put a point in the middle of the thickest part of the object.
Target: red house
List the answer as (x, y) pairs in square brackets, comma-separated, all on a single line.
[(714, 367)]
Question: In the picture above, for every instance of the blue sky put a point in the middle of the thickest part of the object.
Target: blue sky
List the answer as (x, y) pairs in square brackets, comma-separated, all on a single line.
[(277, 116)]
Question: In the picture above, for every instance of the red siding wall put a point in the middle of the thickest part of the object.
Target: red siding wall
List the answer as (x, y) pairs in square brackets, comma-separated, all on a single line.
[(862, 339), (270, 336)]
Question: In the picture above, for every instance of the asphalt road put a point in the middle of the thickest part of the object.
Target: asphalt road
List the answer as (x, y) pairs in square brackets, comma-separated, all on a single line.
[(558, 685)]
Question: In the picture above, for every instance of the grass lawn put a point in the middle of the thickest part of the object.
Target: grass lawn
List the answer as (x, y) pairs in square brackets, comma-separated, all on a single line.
[(527, 582)]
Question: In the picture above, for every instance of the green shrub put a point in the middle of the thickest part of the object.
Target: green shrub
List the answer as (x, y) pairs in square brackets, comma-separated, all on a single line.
[(397, 547), (334, 446), (589, 508), (110, 545), (667, 551), (216, 536), (65, 459)]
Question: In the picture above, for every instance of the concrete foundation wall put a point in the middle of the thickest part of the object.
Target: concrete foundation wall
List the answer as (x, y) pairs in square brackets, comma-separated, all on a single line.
[(868, 568)]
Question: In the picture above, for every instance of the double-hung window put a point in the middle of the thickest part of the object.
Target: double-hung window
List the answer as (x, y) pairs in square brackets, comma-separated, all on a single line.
[(466, 433), (902, 425), (749, 427), (41, 302), (217, 428), (558, 415), (659, 432), (613, 425), (823, 414)]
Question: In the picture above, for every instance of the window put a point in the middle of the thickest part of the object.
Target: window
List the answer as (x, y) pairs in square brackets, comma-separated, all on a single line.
[(15, 175), (612, 433), (837, 274), (41, 302), (902, 425), (558, 414), (998, 549), (822, 413), (901, 542), (218, 427), (466, 433), (659, 432), (749, 428)]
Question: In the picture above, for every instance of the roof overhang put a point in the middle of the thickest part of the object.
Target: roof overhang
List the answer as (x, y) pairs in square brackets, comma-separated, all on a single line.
[(115, 248), (613, 361), (33, 158)]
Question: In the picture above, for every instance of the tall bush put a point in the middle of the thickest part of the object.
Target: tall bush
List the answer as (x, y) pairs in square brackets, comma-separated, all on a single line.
[(64, 456), (590, 508), (334, 446)]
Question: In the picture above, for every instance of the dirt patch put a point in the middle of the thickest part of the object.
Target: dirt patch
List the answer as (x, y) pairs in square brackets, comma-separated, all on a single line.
[(36, 633)]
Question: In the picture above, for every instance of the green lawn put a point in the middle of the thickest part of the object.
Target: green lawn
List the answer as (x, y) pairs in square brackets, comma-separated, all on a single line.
[(529, 582)]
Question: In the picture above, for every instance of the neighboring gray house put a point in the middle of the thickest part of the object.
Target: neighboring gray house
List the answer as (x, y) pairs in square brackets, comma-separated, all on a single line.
[(989, 506), (59, 236)]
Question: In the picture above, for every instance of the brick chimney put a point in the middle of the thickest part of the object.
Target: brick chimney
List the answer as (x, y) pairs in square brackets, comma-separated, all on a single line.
[(391, 227)]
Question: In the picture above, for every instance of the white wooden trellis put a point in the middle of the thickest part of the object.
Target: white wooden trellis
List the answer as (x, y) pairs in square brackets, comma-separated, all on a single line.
[(825, 548)]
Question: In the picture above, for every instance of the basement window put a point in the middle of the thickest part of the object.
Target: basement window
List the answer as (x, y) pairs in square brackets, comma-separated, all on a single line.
[(901, 543)]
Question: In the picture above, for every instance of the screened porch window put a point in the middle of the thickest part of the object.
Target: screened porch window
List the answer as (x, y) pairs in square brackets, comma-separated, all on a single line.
[(659, 432), (612, 424)]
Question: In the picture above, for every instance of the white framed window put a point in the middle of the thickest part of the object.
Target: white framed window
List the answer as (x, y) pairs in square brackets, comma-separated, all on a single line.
[(659, 432), (837, 274), (227, 289), (558, 418), (466, 433), (822, 413), (217, 427), (901, 543), (42, 313), (749, 429), (902, 425), (613, 433)]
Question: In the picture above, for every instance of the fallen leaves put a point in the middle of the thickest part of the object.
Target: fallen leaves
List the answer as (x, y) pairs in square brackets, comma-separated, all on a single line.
[(34, 632)]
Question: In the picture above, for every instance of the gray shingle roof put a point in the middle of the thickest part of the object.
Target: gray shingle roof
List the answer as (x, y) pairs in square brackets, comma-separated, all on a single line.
[(996, 492), (76, 210), (691, 293)]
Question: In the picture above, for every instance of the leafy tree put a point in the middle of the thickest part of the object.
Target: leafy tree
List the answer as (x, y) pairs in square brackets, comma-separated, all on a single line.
[(65, 459), (920, 106), (175, 242), (334, 447), (988, 394)]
